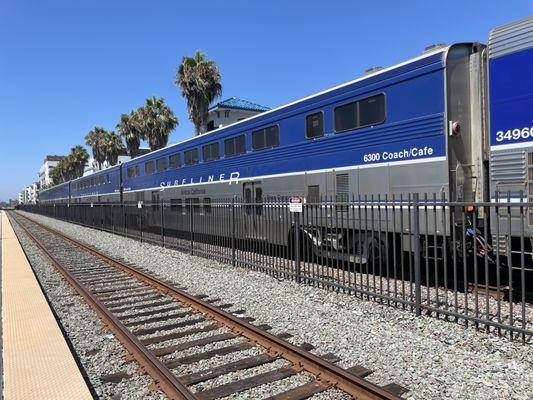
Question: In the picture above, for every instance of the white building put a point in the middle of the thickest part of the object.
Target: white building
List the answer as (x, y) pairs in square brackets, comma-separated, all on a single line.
[(33, 192), (230, 111), (29, 194), (44, 172)]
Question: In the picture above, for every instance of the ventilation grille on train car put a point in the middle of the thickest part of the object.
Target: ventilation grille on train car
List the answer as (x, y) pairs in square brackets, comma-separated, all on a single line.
[(530, 186), (509, 172), (342, 183), (342, 187)]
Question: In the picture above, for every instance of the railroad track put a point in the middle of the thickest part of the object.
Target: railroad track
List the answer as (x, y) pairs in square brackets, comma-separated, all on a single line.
[(147, 314)]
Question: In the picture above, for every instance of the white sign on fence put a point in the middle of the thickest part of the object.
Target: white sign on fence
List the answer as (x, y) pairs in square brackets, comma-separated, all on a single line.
[(296, 204)]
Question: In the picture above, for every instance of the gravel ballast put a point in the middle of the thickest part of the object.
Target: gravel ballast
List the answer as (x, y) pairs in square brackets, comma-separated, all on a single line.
[(98, 351), (434, 359)]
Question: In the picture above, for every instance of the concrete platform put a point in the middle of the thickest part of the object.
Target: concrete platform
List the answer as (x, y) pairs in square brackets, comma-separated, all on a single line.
[(37, 361)]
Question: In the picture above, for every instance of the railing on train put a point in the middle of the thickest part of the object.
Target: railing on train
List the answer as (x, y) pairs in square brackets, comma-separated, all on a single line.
[(428, 255)]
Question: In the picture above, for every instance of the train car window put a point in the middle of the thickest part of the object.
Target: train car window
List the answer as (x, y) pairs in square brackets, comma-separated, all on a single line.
[(137, 170), (161, 164), (108, 178), (314, 125), (174, 161), (207, 205), (191, 157), (240, 144), (361, 113), (372, 110), (272, 136), (235, 146), (149, 167), (176, 205), (265, 138), (258, 139), (210, 152)]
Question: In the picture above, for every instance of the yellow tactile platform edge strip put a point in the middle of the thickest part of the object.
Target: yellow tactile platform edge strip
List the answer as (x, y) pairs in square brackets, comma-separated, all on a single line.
[(38, 363)]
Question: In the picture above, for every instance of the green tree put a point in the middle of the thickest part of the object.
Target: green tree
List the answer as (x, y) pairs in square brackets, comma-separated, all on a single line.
[(199, 80), (111, 145), (79, 159), (95, 140), (129, 128), (55, 174), (156, 121)]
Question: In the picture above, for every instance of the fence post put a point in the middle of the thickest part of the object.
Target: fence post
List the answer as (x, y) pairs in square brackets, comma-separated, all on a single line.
[(191, 230), (416, 252), (140, 206), (297, 247), (162, 205), (233, 261), (124, 220)]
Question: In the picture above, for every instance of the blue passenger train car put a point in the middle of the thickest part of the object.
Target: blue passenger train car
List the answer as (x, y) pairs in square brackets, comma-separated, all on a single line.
[(102, 186), (420, 126)]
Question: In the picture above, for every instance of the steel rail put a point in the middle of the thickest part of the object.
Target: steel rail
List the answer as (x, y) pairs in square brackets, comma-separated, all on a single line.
[(326, 373), (162, 376)]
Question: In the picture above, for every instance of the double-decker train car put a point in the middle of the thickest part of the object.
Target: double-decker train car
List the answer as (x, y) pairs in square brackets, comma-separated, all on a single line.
[(100, 187), (417, 127), (510, 80), (57, 194)]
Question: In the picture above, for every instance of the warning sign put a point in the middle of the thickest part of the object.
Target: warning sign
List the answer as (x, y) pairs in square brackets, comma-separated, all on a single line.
[(296, 204)]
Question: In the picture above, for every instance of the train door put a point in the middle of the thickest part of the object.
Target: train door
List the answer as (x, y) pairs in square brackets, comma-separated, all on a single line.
[(253, 208)]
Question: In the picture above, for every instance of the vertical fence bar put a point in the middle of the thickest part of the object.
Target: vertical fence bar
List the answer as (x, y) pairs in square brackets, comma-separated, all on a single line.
[(297, 247), (162, 205), (191, 227), (233, 244), (416, 251), (141, 221)]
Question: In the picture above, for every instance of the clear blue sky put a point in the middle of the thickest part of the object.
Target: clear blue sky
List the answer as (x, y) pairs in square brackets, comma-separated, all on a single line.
[(67, 66)]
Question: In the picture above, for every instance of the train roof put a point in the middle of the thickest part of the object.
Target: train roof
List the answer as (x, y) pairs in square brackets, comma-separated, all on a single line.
[(264, 116), (249, 122)]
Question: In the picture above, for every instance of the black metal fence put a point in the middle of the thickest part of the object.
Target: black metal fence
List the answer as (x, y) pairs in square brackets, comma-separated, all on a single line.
[(467, 262)]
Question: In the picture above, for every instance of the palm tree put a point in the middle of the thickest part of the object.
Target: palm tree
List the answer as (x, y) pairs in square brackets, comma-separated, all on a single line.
[(55, 174), (156, 121), (199, 80), (79, 159), (94, 139), (111, 147), (129, 129)]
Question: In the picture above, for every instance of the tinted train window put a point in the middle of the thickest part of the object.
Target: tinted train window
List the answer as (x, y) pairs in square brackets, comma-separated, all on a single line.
[(235, 146), (369, 111), (191, 157), (314, 125), (131, 172), (265, 138), (174, 161), (161, 164), (137, 170), (210, 152), (149, 167)]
